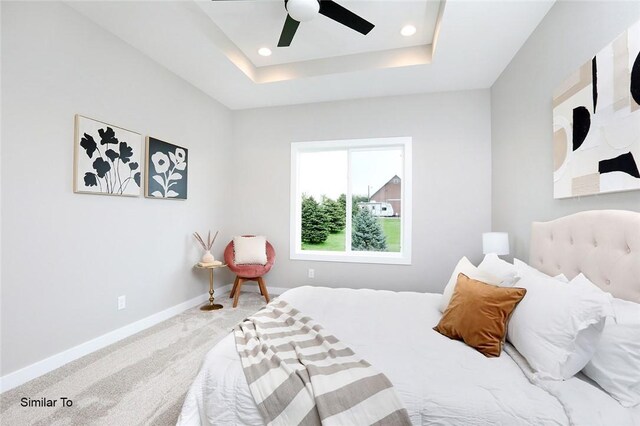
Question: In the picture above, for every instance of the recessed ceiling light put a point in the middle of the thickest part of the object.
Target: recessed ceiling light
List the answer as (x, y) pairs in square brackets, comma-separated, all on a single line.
[(264, 51), (408, 30)]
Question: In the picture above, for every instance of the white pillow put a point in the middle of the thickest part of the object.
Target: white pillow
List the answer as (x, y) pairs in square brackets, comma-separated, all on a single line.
[(616, 364), (562, 277), (522, 265), (556, 327), (498, 267), (250, 250), (464, 266)]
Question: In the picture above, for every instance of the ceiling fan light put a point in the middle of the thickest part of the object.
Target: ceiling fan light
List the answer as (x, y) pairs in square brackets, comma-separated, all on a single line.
[(408, 30), (303, 10)]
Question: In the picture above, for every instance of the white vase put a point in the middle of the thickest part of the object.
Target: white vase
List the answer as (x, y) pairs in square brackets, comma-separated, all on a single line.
[(208, 257)]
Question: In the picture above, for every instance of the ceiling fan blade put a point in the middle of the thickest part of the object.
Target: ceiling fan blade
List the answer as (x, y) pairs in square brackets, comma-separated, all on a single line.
[(288, 31), (333, 10)]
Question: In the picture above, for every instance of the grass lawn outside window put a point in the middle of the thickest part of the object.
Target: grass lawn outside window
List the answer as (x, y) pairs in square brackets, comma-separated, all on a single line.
[(336, 242)]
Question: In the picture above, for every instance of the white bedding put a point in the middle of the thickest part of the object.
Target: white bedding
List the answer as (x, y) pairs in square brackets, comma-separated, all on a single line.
[(440, 381)]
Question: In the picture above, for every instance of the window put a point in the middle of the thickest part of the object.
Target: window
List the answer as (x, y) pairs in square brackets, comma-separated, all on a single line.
[(351, 200)]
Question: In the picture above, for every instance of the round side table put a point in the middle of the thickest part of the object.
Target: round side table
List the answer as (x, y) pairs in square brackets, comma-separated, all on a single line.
[(211, 306)]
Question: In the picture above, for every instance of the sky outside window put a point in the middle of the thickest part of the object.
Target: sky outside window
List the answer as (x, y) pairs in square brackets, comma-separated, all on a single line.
[(325, 172), (371, 169)]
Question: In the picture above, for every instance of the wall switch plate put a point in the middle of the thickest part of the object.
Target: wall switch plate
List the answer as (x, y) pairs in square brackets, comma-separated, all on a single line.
[(122, 302), (312, 273)]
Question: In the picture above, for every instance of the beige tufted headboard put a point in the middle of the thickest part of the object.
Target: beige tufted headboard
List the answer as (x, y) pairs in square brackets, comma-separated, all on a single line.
[(602, 244)]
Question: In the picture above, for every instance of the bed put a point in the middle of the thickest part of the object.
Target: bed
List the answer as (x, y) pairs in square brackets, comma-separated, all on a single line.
[(442, 381)]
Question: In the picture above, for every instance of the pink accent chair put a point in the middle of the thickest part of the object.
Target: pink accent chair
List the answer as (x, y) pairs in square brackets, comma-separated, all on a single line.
[(248, 272)]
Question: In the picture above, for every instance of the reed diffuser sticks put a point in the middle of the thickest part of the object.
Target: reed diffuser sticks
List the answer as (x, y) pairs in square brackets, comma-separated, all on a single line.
[(206, 246)]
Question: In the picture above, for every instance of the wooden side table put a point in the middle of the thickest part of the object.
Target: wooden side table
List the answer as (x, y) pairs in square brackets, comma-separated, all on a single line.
[(211, 306)]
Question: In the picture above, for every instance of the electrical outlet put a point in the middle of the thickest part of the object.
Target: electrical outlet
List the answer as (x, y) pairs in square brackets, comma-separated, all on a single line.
[(312, 273), (122, 302)]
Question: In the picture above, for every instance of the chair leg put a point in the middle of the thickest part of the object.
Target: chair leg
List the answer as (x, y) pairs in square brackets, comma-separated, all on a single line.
[(235, 286), (263, 289), (237, 294)]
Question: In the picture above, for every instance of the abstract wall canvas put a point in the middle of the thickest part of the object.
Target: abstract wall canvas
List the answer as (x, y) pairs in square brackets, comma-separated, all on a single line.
[(596, 122), (166, 170), (107, 159)]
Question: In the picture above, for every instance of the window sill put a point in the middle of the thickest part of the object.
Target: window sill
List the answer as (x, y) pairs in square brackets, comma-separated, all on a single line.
[(383, 258)]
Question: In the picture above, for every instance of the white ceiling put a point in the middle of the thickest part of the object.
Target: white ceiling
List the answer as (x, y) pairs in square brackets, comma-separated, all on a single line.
[(215, 49), (254, 24)]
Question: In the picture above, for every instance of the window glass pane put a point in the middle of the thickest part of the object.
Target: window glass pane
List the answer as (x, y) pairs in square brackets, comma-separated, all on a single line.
[(322, 191), (376, 188)]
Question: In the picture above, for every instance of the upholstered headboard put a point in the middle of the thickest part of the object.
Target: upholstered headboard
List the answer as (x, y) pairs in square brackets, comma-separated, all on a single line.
[(602, 244)]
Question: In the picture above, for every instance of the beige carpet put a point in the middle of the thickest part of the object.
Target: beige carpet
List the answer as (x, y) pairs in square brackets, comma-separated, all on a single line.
[(141, 380)]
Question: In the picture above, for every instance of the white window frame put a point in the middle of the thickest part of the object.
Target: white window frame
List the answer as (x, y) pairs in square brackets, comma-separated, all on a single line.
[(295, 243)]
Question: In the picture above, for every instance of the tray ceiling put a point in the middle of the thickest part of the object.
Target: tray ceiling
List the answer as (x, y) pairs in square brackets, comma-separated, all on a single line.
[(213, 46), (322, 38)]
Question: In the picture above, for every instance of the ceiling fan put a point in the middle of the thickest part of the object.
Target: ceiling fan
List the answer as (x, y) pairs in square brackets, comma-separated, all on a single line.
[(306, 10)]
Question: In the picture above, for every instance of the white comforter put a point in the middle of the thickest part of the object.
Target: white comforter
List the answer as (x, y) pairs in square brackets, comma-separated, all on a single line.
[(440, 381)]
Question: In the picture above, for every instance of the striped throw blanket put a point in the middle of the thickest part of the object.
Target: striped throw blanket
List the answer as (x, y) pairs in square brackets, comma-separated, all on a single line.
[(299, 374)]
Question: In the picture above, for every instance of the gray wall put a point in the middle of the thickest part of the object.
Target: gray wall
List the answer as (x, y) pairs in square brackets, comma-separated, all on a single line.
[(521, 116), (451, 181), (62, 269)]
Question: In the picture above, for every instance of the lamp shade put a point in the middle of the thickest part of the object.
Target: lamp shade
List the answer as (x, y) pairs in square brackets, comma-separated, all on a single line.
[(495, 242)]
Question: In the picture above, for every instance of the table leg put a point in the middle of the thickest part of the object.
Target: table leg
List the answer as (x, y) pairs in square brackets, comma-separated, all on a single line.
[(211, 306)]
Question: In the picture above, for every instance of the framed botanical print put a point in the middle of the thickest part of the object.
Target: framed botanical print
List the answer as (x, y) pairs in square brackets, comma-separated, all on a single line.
[(106, 159), (166, 170)]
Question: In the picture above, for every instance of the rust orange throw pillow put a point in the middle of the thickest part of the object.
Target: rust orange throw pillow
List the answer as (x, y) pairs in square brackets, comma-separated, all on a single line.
[(478, 314)]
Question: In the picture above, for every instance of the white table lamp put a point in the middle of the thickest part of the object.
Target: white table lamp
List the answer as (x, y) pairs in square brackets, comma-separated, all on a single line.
[(495, 242)]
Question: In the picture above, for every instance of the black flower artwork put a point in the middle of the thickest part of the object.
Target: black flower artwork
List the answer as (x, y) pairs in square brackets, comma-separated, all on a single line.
[(101, 166), (111, 160), (88, 144), (107, 136), (111, 154), (125, 152), (90, 179)]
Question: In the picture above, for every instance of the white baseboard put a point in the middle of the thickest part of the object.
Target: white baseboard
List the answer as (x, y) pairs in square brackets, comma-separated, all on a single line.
[(39, 368)]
